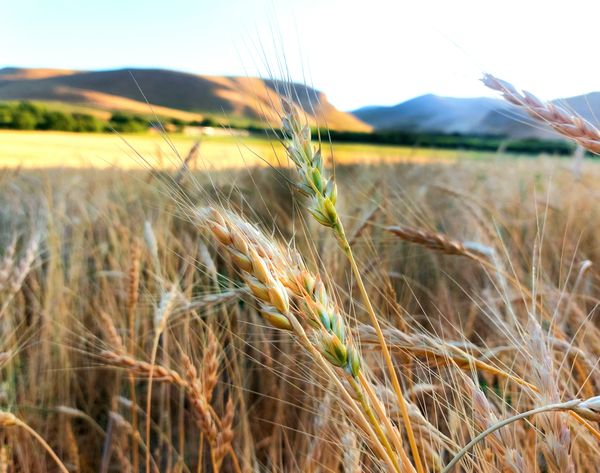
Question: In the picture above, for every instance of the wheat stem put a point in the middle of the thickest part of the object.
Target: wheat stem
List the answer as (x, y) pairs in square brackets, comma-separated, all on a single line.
[(365, 425), (373, 419), (132, 300), (386, 420), (161, 316), (339, 229)]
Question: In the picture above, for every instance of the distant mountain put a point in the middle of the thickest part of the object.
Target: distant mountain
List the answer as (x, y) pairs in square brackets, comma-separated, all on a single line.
[(171, 93), (430, 113), (470, 116)]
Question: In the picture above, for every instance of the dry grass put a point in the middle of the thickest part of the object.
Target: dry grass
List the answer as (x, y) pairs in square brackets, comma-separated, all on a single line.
[(183, 321)]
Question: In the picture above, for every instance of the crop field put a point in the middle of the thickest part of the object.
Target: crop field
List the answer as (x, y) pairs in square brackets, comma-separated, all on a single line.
[(171, 308), (58, 149)]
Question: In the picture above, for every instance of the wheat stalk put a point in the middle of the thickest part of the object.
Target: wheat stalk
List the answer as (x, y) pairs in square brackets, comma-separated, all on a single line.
[(272, 275), (133, 281), (322, 194), (161, 317), (564, 122), (9, 420), (589, 409), (196, 392)]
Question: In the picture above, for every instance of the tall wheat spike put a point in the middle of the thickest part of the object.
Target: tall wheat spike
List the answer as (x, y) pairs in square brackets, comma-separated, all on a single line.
[(322, 193)]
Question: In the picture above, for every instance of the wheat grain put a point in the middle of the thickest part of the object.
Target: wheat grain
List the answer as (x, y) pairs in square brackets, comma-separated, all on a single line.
[(210, 364), (225, 436)]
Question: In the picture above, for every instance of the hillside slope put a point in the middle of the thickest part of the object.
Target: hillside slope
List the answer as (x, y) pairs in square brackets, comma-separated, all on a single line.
[(175, 92)]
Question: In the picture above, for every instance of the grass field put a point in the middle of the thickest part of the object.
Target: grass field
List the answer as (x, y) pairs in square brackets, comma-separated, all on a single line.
[(58, 149)]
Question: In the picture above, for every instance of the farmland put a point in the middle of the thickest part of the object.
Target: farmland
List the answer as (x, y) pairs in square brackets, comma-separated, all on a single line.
[(58, 149)]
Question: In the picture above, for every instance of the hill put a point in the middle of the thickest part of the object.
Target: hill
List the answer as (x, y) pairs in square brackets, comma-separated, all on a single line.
[(470, 116), (171, 94)]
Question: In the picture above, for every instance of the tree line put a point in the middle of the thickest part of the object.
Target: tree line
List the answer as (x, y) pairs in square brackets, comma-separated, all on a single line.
[(31, 116)]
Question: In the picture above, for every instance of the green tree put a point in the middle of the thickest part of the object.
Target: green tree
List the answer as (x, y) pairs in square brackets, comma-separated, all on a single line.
[(24, 120), (87, 123), (125, 123), (35, 110), (209, 121), (6, 116), (57, 121)]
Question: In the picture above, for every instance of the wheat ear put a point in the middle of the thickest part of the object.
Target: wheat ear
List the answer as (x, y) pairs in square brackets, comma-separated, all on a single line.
[(439, 242), (194, 389), (566, 123), (322, 194), (272, 275)]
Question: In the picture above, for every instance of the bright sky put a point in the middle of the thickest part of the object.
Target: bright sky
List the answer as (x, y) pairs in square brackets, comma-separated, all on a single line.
[(358, 52)]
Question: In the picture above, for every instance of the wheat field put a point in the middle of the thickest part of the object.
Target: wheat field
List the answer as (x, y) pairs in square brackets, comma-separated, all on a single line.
[(41, 150), (424, 316)]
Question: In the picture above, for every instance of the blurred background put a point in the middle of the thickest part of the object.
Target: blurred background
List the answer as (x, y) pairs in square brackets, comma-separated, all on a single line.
[(388, 72)]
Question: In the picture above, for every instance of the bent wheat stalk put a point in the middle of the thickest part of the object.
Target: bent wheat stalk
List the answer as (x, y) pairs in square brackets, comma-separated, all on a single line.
[(10, 420), (566, 123), (587, 409)]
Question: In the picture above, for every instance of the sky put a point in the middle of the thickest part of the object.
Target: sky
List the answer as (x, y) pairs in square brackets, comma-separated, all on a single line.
[(368, 52)]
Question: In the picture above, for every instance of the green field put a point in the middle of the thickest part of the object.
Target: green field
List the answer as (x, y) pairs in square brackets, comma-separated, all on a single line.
[(35, 149)]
